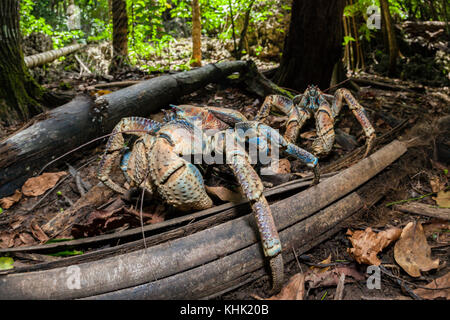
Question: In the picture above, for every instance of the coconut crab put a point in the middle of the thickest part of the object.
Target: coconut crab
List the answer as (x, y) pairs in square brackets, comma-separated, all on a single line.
[(160, 162), (314, 103)]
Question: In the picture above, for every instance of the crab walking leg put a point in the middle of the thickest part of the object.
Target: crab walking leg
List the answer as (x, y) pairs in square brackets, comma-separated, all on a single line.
[(295, 122), (253, 189), (306, 157), (281, 103), (140, 126), (268, 134), (358, 111), (325, 130)]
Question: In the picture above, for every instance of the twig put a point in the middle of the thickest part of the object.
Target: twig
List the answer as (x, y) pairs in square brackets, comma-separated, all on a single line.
[(425, 210), (119, 84), (413, 199), (296, 259), (83, 66), (340, 288), (402, 281), (77, 177), (56, 185), (232, 26), (48, 193)]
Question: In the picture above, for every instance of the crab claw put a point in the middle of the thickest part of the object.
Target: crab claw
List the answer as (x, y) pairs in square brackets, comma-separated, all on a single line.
[(369, 143)]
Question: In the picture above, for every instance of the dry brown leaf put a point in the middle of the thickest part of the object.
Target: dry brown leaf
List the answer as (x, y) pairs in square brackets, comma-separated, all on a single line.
[(442, 282), (281, 166), (436, 184), (367, 244), (293, 290), (38, 233), (7, 239), (36, 186), (8, 202), (320, 269), (26, 238), (224, 194), (443, 199), (412, 251), (436, 226), (308, 135), (331, 277)]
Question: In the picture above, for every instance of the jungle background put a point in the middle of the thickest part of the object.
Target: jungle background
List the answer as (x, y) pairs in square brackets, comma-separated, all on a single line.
[(394, 55)]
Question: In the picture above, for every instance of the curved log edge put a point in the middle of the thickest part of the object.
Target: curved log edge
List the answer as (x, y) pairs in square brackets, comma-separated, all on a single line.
[(219, 245)]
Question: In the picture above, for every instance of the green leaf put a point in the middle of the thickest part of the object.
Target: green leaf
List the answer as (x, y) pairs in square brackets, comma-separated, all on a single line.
[(66, 253), (348, 39), (6, 263)]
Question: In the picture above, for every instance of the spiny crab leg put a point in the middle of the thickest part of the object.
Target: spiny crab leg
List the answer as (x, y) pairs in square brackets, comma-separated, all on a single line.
[(253, 189), (271, 135), (297, 116), (358, 111)]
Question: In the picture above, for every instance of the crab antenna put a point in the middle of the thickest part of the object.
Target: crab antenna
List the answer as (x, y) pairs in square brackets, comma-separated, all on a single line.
[(86, 144)]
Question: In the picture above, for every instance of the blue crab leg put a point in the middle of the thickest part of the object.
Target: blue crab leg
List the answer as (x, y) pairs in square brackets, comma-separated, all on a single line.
[(265, 133), (253, 189)]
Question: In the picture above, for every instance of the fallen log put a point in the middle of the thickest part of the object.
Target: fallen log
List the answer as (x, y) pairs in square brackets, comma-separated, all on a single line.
[(417, 28), (82, 119), (48, 56), (424, 210), (219, 247)]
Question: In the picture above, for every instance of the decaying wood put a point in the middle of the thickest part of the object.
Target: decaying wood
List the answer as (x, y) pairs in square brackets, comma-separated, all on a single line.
[(422, 27), (82, 119), (221, 213), (118, 84), (64, 220), (48, 56), (387, 86), (213, 256), (340, 288), (424, 209)]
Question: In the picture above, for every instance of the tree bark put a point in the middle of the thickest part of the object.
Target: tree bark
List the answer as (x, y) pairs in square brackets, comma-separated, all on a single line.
[(19, 92), (49, 56), (313, 45), (120, 34), (196, 35), (244, 31), (393, 48)]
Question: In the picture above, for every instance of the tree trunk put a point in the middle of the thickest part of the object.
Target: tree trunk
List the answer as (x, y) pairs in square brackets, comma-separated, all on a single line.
[(244, 31), (444, 9), (196, 35), (313, 45), (19, 92), (393, 48), (120, 34), (433, 10)]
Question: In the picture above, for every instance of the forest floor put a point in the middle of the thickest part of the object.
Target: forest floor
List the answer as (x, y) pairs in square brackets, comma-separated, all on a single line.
[(420, 176)]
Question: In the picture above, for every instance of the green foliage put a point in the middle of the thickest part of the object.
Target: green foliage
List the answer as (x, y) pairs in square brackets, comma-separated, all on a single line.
[(6, 263), (66, 253), (29, 23)]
